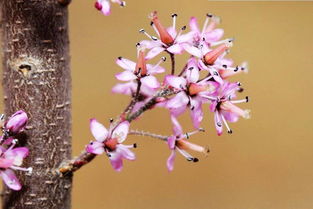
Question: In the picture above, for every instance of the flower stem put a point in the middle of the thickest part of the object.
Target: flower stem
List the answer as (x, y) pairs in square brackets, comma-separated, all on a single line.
[(144, 133)]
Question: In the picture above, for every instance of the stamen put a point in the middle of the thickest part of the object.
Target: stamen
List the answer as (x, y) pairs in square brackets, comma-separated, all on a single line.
[(214, 21), (29, 170), (208, 17), (149, 36), (163, 59), (226, 124), (209, 97), (186, 154), (174, 16), (123, 3), (225, 41), (111, 120), (180, 32), (187, 135), (241, 100)]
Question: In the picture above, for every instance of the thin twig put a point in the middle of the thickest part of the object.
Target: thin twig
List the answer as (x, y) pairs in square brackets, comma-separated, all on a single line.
[(144, 133), (173, 63)]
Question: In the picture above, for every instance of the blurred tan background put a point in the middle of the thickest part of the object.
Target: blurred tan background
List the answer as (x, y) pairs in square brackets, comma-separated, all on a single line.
[(265, 163)]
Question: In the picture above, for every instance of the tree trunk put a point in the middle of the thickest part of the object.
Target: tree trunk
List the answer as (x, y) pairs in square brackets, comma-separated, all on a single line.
[(36, 79)]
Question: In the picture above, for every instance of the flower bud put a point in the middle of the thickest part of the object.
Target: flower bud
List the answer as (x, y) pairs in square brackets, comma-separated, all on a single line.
[(16, 122)]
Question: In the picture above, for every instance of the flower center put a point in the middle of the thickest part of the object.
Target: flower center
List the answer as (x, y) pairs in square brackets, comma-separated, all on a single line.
[(164, 35), (110, 144)]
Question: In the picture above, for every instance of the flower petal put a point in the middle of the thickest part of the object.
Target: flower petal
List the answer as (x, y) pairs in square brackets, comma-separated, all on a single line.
[(95, 147), (99, 132), (124, 88), (214, 35), (121, 131), (192, 50), (154, 52), (17, 155), (126, 152), (171, 142), (177, 129), (175, 81), (106, 8), (125, 76), (175, 49), (218, 123), (170, 161), (116, 161), (180, 100), (150, 81), (17, 122), (10, 179), (193, 24), (196, 113), (126, 64)]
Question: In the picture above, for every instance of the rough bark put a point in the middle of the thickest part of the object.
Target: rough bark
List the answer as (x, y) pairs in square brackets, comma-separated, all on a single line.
[(36, 79)]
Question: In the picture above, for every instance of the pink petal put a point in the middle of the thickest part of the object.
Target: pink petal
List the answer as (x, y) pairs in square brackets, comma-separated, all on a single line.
[(6, 163), (99, 132), (177, 129), (175, 49), (186, 38), (155, 69), (193, 24), (154, 52), (214, 35), (116, 161), (172, 31), (192, 71), (124, 88), (95, 147), (178, 111), (150, 44), (171, 142), (121, 131), (192, 50), (231, 117), (17, 155), (126, 152), (126, 64), (125, 76), (150, 81), (175, 81), (106, 8), (10, 179), (196, 113), (180, 100), (170, 161), (218, 123), (17, 122)]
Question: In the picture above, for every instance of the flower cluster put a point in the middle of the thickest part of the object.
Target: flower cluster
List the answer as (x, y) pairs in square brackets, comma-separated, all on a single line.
[(202, 81), (105, 6), (11, 157)]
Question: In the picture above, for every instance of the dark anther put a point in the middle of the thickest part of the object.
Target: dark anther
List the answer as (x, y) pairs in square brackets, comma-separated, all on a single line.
[(111, 120), (224, 66), (184, 27), (151, 23), (123, 4), (135, 145), (154, 38), (137, 44), (247, 99), (192, 108), (209, 15), (141, 30), (190, 68), (91, 143), (236, 69), (215, 73), (230, 131), (195, 160), (163, 59), (190, 159), (238, 83), (219, 124), (120, 58), (25, 67), (187, 135), (174, 15), (240, 90), (201, 129)]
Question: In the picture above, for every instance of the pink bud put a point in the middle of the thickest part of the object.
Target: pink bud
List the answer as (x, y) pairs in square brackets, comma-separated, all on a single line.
[(17, 122)]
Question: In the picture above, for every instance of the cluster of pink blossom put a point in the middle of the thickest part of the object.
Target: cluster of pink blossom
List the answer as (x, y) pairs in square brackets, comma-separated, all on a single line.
[(203, 81), (105, 6), (11, 158)]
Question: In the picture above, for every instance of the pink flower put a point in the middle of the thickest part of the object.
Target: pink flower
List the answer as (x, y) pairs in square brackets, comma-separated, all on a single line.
[(139, 71), (209, 32), (178, 142), (110, 141), (16, 122), (105, 7), (169, 39), (210, 59), (11, 159), (224, 107), (192, 92)]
